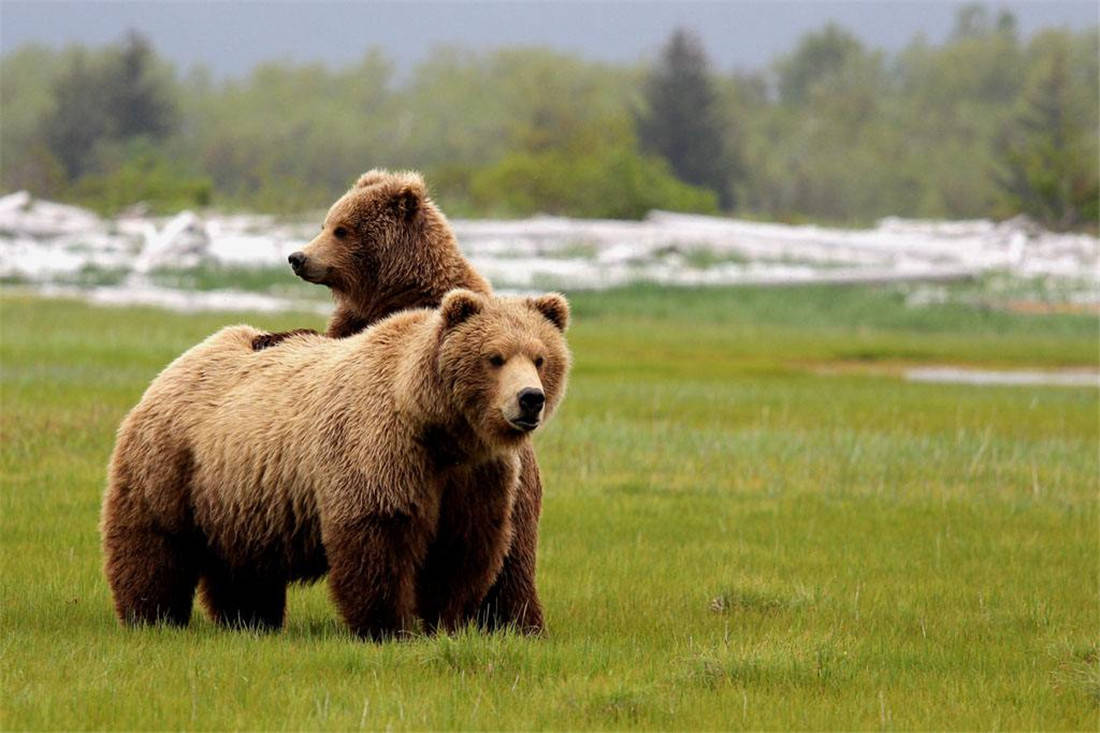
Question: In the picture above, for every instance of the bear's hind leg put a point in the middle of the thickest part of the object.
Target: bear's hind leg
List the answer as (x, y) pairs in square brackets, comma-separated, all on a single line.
[(152, 575), (243, 600)]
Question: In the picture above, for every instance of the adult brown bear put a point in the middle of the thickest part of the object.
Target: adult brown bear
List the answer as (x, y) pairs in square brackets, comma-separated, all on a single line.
[(388, 459), (385, 246)]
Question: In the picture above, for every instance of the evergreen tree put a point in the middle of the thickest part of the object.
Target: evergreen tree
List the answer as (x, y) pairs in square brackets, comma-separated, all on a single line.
[(107, 98), (1048, 151), (79, 117), (139, 102), (682, 123), (819, 56)]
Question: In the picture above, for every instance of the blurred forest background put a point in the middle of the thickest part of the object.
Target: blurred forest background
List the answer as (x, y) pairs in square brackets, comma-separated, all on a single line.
[(988, 124)]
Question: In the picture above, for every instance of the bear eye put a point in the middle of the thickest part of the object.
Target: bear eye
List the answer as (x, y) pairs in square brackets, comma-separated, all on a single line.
[(496, 360), (538, 362), (340, 232)]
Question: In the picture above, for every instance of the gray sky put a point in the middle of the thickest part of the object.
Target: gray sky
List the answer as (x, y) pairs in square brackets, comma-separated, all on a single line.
[(231, 37)]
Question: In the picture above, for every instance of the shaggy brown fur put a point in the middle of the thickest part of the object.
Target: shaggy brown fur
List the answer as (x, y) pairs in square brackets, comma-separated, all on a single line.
[(385, 246), (389, 459)]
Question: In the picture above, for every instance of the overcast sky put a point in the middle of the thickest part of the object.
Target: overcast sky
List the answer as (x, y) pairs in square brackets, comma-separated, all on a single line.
[(231, 37)]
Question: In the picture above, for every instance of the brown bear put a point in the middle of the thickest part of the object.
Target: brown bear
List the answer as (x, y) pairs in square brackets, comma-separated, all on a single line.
[(385, 246), (373, 457)]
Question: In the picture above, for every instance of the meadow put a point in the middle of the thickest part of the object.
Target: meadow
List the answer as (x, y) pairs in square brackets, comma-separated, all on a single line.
[(750, 522)]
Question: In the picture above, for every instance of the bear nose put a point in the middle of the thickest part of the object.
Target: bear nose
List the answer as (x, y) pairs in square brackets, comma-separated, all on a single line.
[(296, 260), (531, 401)]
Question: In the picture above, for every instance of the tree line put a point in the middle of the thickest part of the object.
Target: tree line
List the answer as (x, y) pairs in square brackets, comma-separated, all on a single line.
[(986, 124)]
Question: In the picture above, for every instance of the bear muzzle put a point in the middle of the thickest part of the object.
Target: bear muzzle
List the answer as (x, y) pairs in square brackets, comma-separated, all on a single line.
[(306, 268)]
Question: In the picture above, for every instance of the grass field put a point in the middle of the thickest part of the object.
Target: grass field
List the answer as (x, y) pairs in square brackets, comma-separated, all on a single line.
[(750, 523)]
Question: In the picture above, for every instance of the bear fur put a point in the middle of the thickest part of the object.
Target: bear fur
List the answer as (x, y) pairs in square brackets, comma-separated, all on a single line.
[(385, 246), (388, 460)]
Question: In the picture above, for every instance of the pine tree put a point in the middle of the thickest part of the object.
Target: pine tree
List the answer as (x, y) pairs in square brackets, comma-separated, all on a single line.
[(682, 123), (819, 56), (79, 118), (1047, 151), (139, 102), (109, 98)]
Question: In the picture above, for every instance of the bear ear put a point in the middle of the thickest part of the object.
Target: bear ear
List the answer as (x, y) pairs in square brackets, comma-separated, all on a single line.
[(554, 306), (407, 199), (458, 306)]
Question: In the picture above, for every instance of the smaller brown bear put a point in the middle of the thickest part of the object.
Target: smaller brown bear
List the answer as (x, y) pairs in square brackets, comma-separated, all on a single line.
[(389, 459), (384, 247)]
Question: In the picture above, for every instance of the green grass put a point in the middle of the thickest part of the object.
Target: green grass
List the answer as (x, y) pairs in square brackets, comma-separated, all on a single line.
[(730, 538)]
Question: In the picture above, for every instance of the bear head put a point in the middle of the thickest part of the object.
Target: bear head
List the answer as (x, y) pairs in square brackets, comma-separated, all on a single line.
[(503, 361), (373, 236)]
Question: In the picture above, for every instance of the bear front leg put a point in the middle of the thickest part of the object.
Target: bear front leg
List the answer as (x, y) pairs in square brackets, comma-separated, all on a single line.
[(372, 572), (243, 600), (345, 323), (267, 340), (513, 599), (472, 537)]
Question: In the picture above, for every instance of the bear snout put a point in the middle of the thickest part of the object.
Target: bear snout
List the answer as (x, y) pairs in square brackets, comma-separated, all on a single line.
[(531, 402), (308, 268)]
